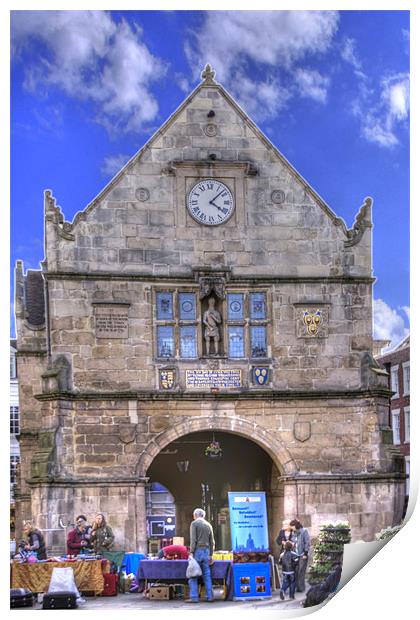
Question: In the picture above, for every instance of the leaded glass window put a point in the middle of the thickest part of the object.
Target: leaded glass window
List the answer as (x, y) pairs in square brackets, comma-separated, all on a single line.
[(164, 306), (187, 310), (258, 341), (176, 324), (165, 341), (188, 341), (257, 309), (236, 341), (235, 308), (247, 320)]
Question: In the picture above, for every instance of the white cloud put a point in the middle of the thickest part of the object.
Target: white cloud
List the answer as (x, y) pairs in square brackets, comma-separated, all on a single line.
[(92, 58), (387, 323), (349, 54), (237, 42), (381, 123), (113, 164), (312, 84)]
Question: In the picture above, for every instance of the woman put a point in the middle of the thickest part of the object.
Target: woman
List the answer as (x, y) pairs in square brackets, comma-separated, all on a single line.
[(102, 535), (35, 541), (286, 534)]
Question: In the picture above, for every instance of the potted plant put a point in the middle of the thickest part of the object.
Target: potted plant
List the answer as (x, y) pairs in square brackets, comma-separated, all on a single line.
[(328, 550), (213, 450)]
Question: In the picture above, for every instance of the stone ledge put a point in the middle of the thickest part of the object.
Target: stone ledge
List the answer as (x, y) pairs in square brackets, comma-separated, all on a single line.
[(248, 395), (182, 277), (351, 477), (109, 480)]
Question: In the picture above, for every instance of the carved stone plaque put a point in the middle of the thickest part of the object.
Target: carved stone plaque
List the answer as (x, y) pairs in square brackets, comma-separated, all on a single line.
[(227, 378), (210, 130), (278, 196), (311, 320), (142, 194), (111, 321)]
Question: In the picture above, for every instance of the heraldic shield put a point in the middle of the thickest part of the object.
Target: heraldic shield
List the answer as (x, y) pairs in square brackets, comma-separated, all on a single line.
[(260, 375), (302, 430)]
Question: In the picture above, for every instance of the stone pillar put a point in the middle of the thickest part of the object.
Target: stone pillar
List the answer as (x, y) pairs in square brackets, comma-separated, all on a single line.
[(141, 521)]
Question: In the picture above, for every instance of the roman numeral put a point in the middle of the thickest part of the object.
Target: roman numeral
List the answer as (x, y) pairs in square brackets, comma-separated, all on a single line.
[(211, 219), (194, 202), (227, 202), (225, 210), (209, 185)]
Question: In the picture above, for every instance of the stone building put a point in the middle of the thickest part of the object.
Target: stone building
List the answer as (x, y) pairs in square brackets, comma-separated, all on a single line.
[(206, 293), (397, 364)]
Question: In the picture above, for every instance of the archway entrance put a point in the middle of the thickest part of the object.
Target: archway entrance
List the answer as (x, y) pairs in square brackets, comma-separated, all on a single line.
[(196, 480)]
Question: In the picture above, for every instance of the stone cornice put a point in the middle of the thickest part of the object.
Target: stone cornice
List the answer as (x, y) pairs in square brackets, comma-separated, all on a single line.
[(77, 482), (243, 279), (327, 478), (266, 395)]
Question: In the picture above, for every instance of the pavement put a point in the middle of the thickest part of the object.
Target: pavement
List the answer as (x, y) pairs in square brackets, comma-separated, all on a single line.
[(136, 602)]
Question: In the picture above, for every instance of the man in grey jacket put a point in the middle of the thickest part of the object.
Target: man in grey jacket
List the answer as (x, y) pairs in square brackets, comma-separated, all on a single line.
[(201, 547), (302, 546)]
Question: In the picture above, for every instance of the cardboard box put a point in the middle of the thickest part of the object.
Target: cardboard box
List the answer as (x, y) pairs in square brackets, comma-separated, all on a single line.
[(178, 540), (160, 592)]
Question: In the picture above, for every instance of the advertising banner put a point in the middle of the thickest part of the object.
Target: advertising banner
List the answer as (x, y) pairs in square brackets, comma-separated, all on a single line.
[(248, 521)]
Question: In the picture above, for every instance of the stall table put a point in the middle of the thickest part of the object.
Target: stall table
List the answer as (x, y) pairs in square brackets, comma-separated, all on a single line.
[(174, 571), (88, 575)]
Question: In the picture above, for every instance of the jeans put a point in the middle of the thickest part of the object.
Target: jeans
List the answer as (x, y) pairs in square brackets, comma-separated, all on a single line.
[(289, 582), (202, 556)]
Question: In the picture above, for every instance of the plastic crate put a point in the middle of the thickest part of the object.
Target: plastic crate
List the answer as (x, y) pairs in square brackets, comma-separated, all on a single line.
[(251, 580)]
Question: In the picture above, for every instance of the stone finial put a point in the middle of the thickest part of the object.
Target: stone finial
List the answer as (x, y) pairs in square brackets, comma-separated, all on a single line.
[(362, 222), (208, 75)]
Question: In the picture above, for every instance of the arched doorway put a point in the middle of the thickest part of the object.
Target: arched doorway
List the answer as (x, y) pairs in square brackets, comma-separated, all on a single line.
[(195, 480)]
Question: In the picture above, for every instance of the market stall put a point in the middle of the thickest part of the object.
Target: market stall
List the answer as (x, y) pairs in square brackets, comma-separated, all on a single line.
[(174, 571), (36, 577)]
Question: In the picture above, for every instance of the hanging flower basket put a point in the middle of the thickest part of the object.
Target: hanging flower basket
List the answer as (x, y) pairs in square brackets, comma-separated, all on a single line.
[(213, 450)]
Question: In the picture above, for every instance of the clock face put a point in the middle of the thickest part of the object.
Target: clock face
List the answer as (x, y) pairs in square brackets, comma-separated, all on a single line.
[(210, 202)]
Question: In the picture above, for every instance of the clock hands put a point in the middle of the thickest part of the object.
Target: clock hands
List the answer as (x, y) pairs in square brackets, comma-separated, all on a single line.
[(211, 202)]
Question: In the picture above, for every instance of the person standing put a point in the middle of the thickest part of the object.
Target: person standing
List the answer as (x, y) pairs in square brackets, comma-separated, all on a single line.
[(102, 536), (78, 539), (35, 540), (288, 560), (302, 546), (201, 548), (286, 533)]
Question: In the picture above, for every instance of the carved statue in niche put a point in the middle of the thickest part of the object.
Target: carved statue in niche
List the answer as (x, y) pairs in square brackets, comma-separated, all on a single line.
[(212, 320)]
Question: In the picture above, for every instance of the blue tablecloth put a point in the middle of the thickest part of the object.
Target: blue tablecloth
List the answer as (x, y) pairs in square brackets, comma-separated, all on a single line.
[(173, 571), (131, 562)]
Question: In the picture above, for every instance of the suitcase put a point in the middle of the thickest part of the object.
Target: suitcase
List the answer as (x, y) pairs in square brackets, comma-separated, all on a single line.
[(110, 584), (59, 600), (21, 597)]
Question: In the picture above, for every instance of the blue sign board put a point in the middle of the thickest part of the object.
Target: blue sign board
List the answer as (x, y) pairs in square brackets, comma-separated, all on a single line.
[(248, 521)]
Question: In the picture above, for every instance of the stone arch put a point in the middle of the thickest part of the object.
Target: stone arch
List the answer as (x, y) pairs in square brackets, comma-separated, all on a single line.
[(249, 430)]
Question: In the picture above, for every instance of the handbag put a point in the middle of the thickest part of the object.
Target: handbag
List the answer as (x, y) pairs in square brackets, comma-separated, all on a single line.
[(193, 568)]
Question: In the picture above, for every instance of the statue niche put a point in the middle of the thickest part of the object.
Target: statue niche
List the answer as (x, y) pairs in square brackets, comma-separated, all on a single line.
[(212, 320)]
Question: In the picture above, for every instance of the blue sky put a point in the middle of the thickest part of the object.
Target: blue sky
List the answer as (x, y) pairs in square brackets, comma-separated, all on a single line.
[(329, 88)]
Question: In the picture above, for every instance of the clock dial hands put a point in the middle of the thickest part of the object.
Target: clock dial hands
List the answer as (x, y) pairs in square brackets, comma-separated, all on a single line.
[(210, 193), (211, 202)]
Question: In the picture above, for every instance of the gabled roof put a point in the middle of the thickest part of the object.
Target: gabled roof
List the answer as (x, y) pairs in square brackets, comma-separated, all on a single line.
[(208, 81)]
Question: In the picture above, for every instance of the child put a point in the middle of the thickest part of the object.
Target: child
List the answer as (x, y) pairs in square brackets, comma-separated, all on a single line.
[(287, 561)]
